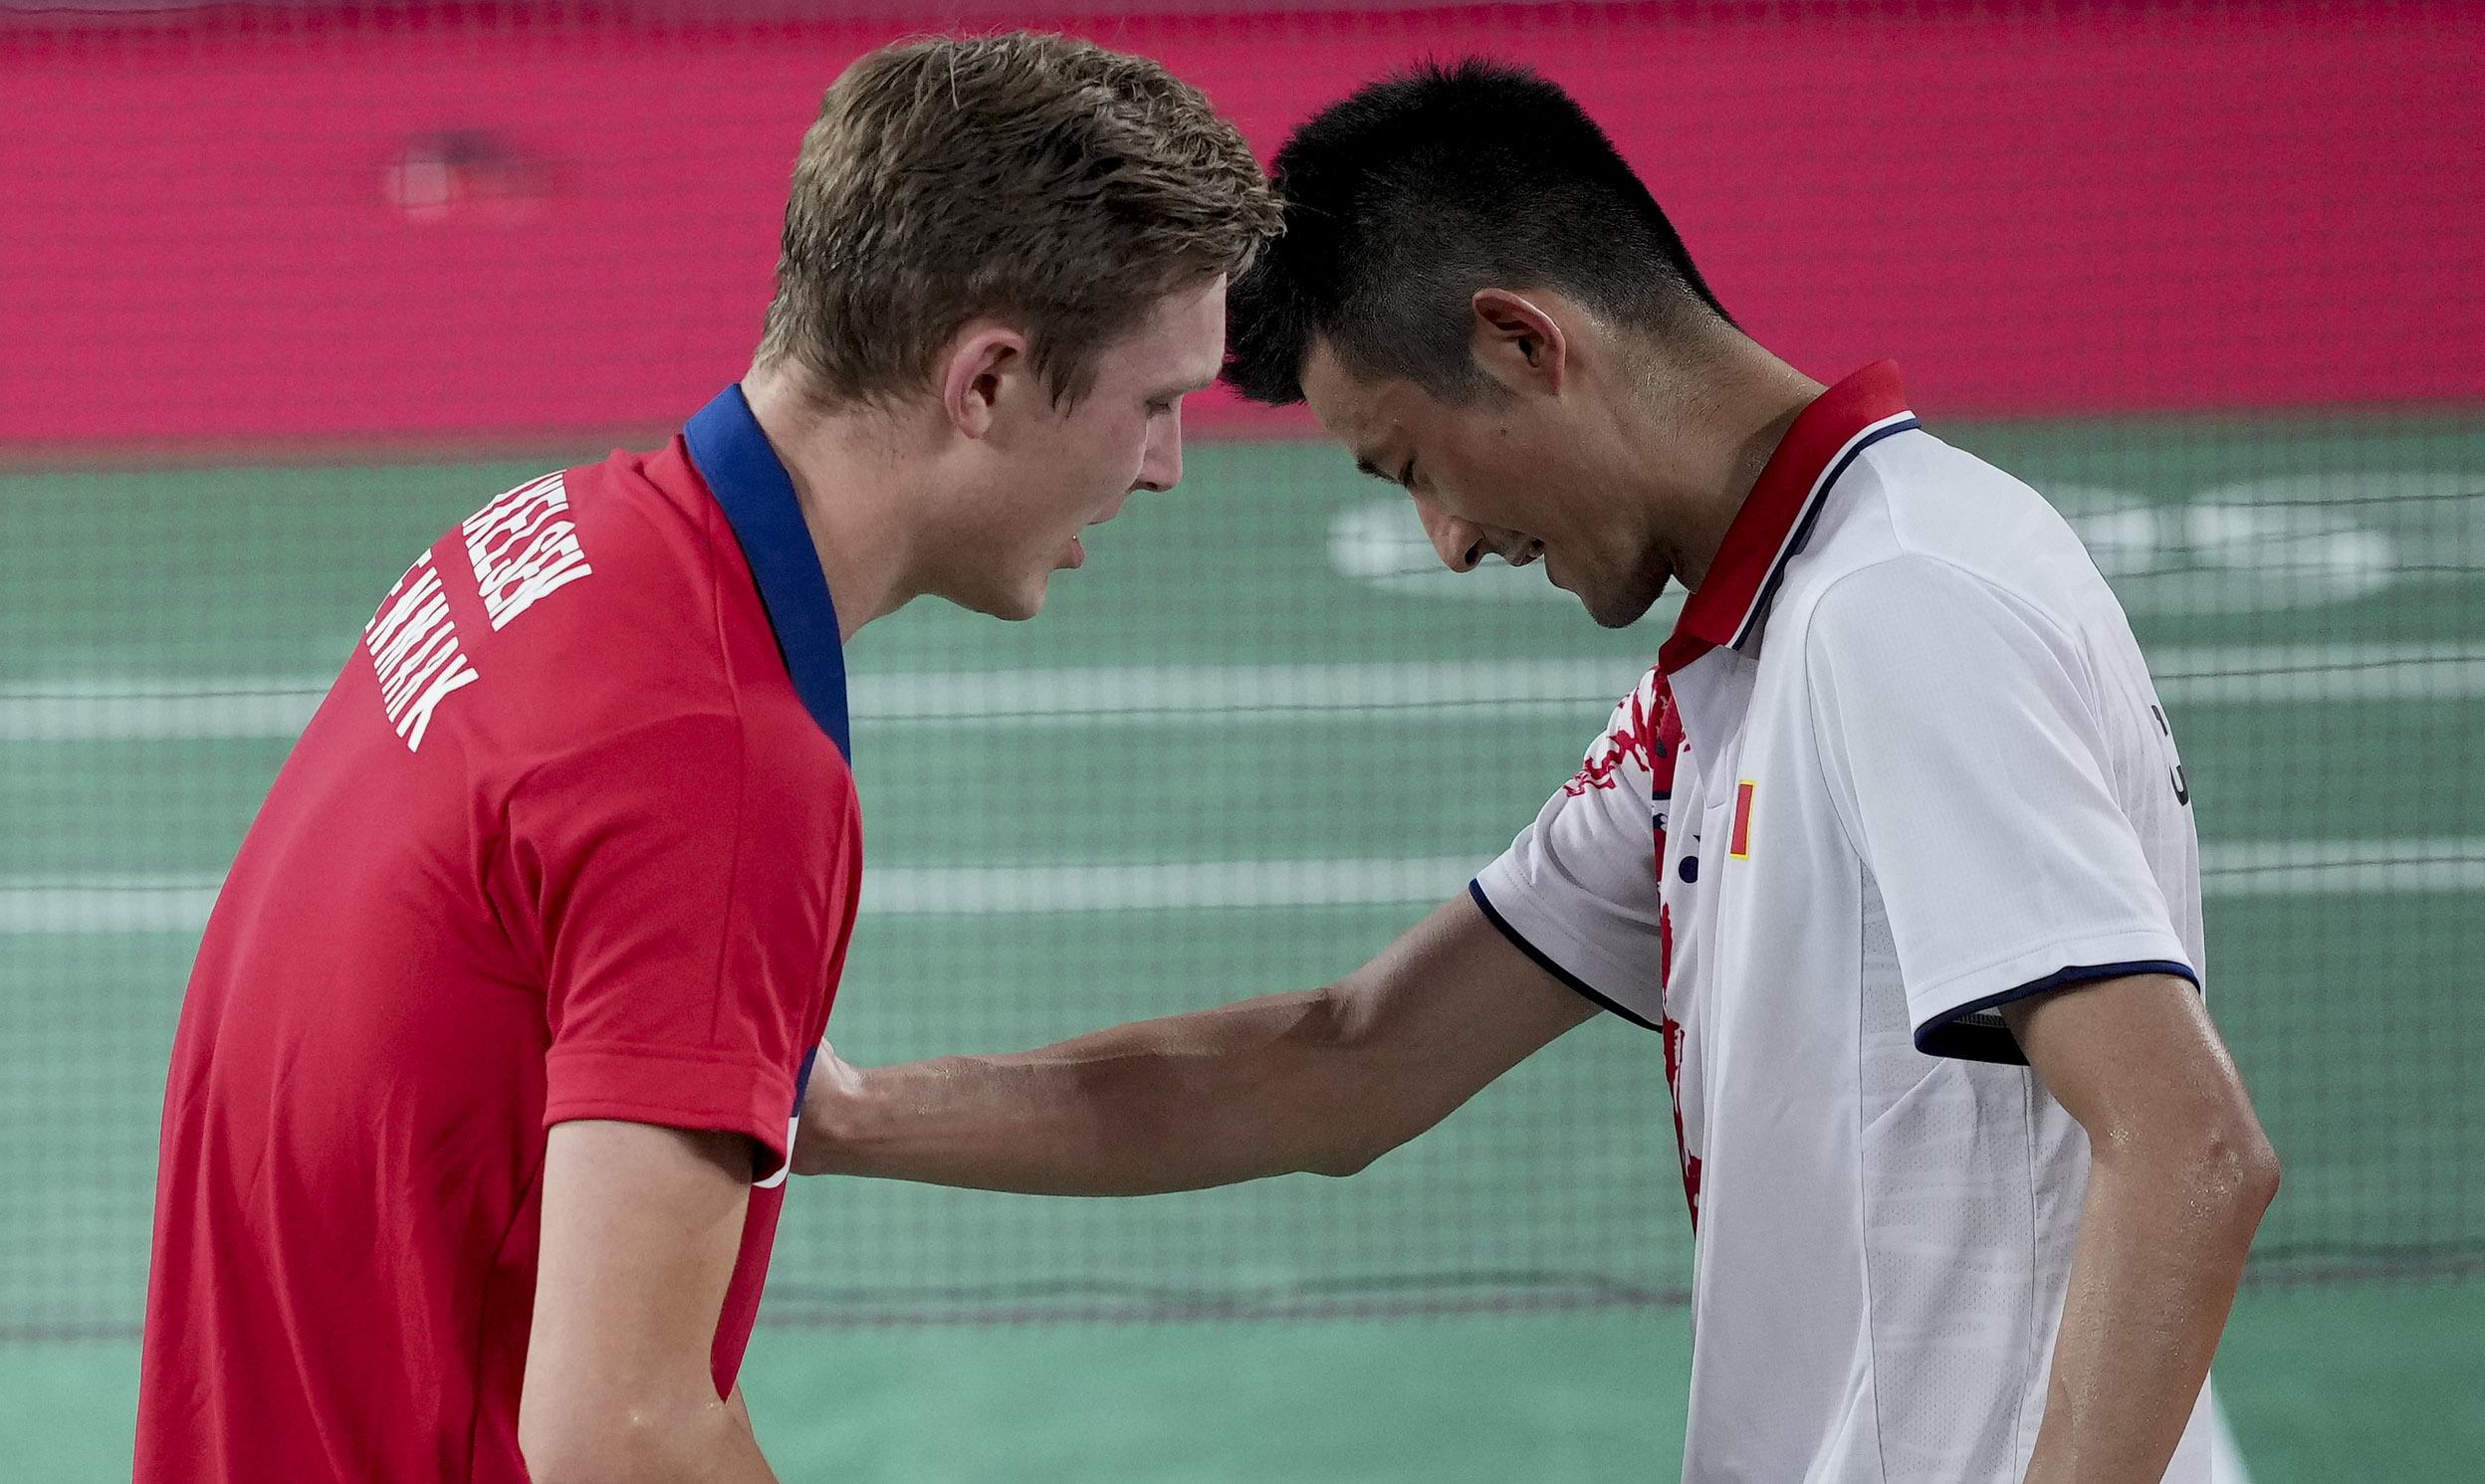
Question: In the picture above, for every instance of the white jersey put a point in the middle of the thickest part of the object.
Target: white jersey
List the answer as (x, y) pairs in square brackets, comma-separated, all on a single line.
[(1899, 765)]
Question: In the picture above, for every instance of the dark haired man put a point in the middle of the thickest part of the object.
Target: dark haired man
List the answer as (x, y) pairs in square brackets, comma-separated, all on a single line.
[(1891, 848), (481, 1104)]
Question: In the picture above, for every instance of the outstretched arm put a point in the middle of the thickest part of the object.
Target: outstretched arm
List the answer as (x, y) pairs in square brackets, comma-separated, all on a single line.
[(1324, 1080), (2179, 1174)]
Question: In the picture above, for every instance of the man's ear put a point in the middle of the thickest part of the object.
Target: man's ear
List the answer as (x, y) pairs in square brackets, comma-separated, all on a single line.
[(1517, 343), (980, 359)]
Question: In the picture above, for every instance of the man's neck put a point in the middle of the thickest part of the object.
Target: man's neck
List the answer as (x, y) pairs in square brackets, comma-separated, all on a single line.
[(851, 481), (1709, 421)]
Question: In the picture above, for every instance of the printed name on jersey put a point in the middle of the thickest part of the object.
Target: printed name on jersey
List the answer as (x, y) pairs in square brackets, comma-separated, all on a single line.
[(522, 551), (412, 643)]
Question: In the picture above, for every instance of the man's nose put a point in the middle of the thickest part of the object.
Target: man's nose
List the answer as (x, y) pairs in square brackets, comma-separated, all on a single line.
[(1461, 544), (1160, 466)]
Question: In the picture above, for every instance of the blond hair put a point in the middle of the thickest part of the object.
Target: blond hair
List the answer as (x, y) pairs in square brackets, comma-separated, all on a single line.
[(1051, 184)]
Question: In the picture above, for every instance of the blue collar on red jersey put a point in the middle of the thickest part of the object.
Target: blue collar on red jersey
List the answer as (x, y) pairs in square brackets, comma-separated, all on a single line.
[(757, 495)]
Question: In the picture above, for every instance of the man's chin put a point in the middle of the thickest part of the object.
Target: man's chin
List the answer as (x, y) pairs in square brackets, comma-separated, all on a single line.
[(1009, 605), (1612, 610)]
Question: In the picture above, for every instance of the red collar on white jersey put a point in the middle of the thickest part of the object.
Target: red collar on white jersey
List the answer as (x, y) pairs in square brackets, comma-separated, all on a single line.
[(1778, 515)]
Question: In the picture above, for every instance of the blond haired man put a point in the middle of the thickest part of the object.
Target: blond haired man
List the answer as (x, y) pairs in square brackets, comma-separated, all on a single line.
[(484, 1089)]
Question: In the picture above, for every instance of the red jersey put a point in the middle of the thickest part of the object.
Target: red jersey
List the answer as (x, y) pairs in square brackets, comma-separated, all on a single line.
[(573, 837)]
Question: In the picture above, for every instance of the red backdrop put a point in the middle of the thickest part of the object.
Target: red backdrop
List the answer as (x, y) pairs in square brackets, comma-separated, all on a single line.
[(237, 228)]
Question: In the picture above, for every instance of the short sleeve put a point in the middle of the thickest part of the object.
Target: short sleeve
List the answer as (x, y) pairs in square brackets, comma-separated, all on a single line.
[(1577, 890), (689, 896), (1964, 752)]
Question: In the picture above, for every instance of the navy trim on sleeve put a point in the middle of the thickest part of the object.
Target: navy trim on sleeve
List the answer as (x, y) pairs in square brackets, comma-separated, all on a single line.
[(764, 1176), (1976, 1032), (1571, 980), (751, 483)]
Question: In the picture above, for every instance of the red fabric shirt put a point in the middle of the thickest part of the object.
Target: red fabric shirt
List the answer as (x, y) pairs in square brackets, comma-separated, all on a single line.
[(564, 842)]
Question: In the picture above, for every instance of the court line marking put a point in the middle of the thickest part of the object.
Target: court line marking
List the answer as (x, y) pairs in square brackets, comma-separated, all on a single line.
[(149, 709), (2257, 868)]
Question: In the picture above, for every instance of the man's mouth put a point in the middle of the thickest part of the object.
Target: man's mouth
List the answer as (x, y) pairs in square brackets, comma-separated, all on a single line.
[(1078, 555)]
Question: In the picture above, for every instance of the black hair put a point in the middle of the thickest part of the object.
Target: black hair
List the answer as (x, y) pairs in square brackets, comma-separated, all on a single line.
[(1405, 198)]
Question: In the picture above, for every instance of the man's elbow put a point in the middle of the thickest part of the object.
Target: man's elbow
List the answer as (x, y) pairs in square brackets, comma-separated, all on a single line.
[(1352, 1156), (560, 1454), (2238, 1160), (2256, 1168), (2223, 1160), (624, 1448), (1376, 1107)]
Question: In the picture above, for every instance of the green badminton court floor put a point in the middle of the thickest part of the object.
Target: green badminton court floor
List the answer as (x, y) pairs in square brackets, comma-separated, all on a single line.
[(1244, 747)]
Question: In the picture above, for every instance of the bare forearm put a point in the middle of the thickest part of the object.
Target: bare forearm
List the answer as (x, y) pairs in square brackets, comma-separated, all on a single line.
[(2164, 1233), (1190, 1101), (1325, 1081)]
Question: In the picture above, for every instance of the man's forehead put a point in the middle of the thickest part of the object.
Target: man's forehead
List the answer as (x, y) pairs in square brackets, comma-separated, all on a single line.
[(1157, 364), (1184, 331), (1325, 378), (1357, 412)]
